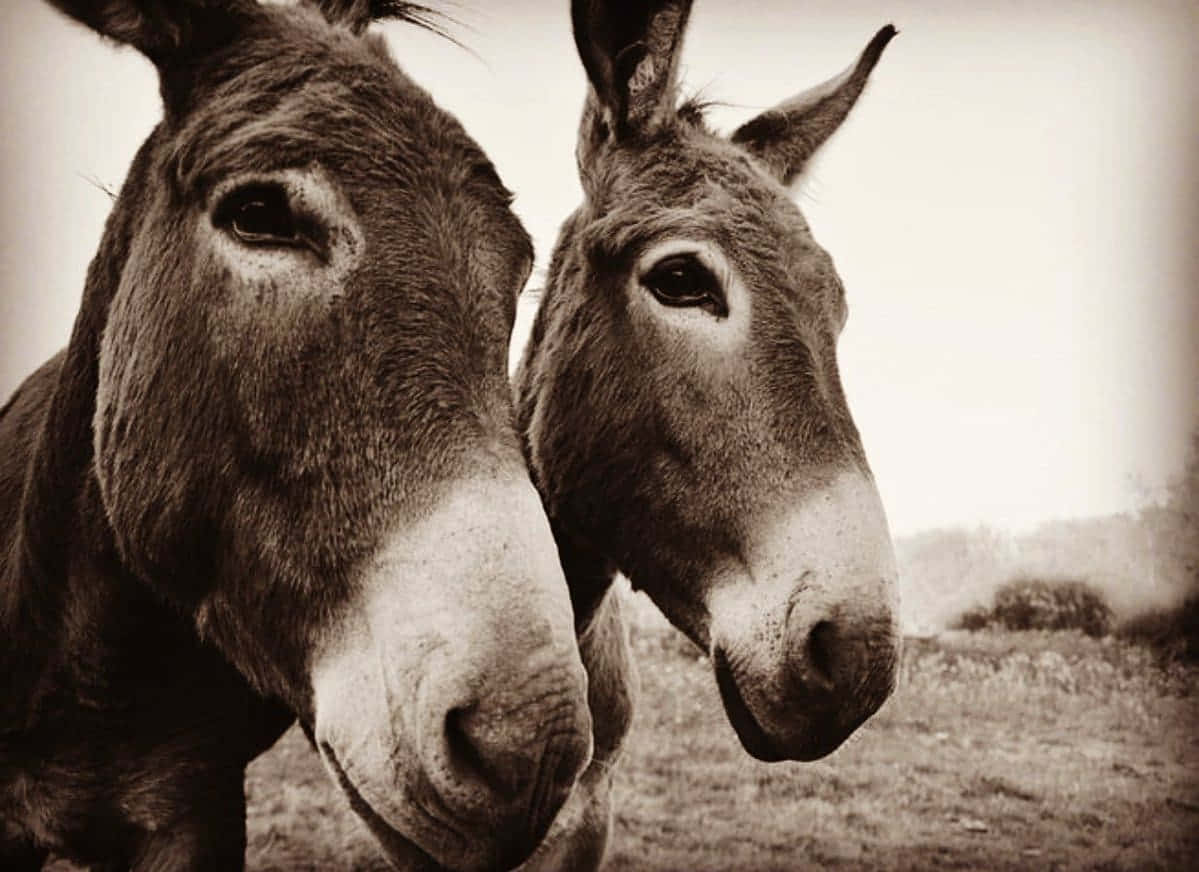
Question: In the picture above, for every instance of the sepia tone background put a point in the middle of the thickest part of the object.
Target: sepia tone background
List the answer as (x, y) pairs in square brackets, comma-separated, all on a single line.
[(1014, 209)]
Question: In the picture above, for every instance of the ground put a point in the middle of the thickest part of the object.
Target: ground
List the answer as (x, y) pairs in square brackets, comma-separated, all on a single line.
[(998, 751)]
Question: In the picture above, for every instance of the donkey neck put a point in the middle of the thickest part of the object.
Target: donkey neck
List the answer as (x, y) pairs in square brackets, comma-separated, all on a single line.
[(589, 577)]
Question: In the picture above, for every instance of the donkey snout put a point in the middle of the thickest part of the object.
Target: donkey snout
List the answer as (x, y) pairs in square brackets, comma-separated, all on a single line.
[(837, 672), (817, 657), (803, 658), (451, 700), (508, 764), (831, 676), (849, 660)]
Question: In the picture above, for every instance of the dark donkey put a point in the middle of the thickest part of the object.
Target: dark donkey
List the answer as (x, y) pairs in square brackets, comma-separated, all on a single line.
[(275, 473), (683, 416)]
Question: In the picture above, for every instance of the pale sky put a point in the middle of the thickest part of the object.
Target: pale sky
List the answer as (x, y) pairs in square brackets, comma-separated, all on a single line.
[(1013, 208)]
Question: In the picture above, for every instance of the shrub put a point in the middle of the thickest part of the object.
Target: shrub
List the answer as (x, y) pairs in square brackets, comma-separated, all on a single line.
[(977, 618), (1173, 633), (1037, 604)]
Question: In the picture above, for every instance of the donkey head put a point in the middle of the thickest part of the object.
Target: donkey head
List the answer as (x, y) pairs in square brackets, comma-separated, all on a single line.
[(303, 435), (680, 398)]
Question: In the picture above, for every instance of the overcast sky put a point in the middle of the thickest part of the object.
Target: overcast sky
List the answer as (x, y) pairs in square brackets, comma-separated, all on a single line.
[(1013, 208)]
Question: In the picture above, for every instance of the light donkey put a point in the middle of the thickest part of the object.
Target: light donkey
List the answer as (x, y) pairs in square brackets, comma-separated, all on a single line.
[(683, 415)]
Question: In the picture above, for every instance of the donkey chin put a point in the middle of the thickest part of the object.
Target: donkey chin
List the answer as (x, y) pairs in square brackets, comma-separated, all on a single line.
[(804, 637), (450, 701)]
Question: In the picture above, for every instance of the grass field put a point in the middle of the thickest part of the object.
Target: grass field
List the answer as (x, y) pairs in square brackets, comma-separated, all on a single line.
[(998, 751)]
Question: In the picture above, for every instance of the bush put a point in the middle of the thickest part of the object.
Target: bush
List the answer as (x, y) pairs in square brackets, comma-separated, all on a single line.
[(1036, 604), (977, 618), (1173, 633)]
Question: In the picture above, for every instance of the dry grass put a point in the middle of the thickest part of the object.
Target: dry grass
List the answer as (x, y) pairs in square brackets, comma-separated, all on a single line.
[(999, 751)]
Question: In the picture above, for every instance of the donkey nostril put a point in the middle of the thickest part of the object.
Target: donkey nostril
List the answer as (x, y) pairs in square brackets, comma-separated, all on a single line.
[(511, 774), (821, 641), (464, 748)]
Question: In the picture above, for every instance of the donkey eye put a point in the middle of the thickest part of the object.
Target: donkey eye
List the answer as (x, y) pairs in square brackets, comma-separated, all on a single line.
[(682, 280), (258, 215)]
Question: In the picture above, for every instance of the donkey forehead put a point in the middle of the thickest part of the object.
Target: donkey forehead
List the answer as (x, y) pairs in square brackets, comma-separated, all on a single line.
[(697, 185), (292, 90), (279, 47)]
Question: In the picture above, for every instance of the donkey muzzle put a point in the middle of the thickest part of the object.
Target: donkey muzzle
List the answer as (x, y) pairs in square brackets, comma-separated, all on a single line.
[(450, 700), (803, 657)]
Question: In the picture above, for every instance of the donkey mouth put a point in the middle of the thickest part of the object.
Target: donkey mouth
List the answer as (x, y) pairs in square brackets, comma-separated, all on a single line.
[(749, 731), (816, 733), (394, 843)]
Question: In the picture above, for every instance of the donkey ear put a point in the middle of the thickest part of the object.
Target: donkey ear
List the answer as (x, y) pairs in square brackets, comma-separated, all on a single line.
[(630, 50), (159, 29), (786, 136)]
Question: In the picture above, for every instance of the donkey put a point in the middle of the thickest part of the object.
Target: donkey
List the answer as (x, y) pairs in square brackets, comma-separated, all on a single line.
[(683, 417), (275, 474)]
